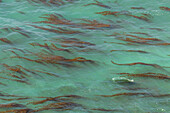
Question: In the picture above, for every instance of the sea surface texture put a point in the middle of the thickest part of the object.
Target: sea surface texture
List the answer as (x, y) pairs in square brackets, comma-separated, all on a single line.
[(84, 56)]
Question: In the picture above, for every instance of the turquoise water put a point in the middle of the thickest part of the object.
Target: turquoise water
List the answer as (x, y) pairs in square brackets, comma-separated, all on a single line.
[(118, 62)]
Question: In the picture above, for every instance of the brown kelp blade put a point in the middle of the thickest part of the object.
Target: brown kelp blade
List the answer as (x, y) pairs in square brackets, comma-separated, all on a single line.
[(139, 63), (14, 99), (137, 8), (102, 109), (56, 19), (140, 51), (18, 111), (51, 74), (148, 75), (114, 13), (58, 30), (5, 40), (58, 98), (20, 31), (146, 34), (60, 106), (165, 8), (50, 3), (15, 69), (16, 80), (11, 105), (98, 4), (141, 38), (124, 94), (145, 18)]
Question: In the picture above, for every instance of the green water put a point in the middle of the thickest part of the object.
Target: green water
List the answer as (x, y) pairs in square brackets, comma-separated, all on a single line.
[(87, 79)]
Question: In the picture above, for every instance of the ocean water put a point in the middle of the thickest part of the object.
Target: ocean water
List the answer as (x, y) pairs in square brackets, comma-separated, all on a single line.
[(79, 56)]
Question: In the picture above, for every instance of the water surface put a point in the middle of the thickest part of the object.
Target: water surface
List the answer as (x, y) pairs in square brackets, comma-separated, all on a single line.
[(87, 52)]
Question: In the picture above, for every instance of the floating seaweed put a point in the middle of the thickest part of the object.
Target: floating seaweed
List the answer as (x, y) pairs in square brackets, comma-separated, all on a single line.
[(157, 29), (124, 94), (12, 75), (58, 19), (24, 98), (135, 88), (5, 29), (20, 81), (115, 34), (159, 44), (15, 29), (7, 95), (133, 40), (108, 13), (93, 24), (58, 98), (58, 30), (15, 69), (39, 1), (115, 13), (144, 42), (133, 94), (165, 8), (11, 105), (21, 12), (140, 51), (121, 43), (20, 31), (6, 40), (45, 100), (138, 39), (2, 84), (101, 109), (37, 61), (55, 19), (137, 8), (26, 69), (145, 73), (141, 33), (75, 42), (19, 50), (98, 4), (50, 2), (147, 15), (14, 53), (148, 75), (59, 49), (18, 111), (145, 18), (156, 74), (141, 63), (51, 74), (53, 59), (141, 38), (41, 45), (79, 59), (61, 106), (49, 55)]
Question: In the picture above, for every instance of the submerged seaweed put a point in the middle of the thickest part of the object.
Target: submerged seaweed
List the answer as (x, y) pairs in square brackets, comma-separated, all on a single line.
[(84, 56)]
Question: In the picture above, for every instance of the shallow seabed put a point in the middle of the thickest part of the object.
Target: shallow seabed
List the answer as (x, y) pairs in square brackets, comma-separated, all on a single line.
[(79, 56)]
